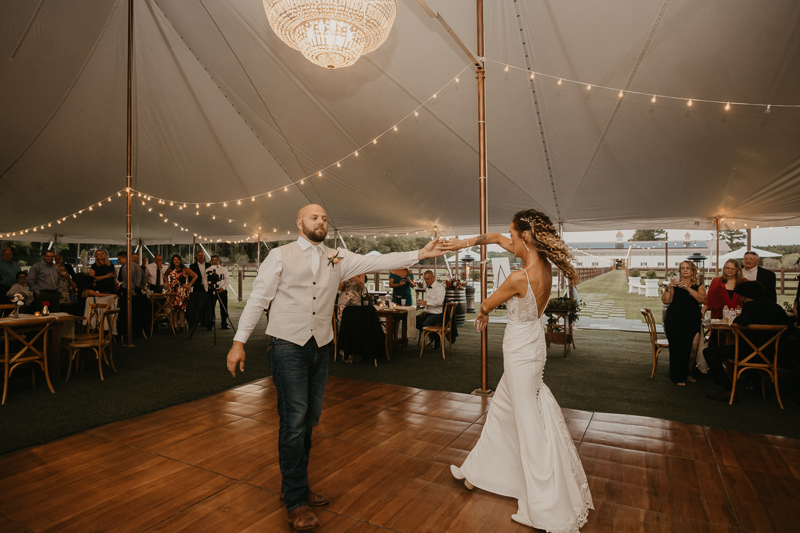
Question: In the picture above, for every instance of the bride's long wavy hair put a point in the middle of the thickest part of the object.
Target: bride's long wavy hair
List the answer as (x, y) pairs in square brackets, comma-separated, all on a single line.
[(546, 240)]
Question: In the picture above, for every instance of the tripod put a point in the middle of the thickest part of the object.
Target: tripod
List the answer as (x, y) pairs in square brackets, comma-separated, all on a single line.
[(215, 291)]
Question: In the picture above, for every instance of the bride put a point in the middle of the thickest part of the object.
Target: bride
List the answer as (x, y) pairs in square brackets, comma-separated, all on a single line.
[(525, 450)]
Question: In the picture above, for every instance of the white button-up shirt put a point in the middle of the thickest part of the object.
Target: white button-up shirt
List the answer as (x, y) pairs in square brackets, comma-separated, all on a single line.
[(434, 299), (269, 275), (750, 275)]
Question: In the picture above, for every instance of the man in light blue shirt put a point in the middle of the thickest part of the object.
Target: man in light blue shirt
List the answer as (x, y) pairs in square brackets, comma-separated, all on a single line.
[(43, 281)]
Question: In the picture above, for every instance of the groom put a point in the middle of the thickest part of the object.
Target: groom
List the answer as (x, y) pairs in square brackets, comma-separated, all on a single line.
[(297, 283)]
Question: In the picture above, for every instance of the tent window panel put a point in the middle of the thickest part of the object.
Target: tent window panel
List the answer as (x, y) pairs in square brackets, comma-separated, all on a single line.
[(661, 264)]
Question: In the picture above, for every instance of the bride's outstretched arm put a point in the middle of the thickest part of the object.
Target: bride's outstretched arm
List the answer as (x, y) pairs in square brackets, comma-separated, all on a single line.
[(487, 238), (510, 287)]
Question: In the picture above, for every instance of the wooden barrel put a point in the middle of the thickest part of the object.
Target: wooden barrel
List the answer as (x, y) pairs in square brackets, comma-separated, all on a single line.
[(460, 297)]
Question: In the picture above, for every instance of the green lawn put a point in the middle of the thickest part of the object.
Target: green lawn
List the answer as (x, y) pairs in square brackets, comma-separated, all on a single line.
[(614, 286)]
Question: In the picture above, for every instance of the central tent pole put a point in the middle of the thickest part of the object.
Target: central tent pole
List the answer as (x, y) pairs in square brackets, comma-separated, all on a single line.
[(129, 291), (716, 263), (666, 253), (484, 226)]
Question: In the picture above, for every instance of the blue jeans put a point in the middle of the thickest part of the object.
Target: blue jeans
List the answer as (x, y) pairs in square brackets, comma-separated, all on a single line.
[(299, 374)]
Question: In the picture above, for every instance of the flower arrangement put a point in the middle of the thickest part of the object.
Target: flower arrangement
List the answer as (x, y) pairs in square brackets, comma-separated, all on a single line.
[(456, 283), (333, 259), (45, 308), (569, 305), (18, 300)]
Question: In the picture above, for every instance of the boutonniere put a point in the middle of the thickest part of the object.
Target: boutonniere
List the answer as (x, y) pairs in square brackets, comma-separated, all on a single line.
[(333, 259)]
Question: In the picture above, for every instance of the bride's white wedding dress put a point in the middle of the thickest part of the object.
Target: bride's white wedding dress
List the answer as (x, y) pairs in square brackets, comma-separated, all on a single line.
[(525, 450)]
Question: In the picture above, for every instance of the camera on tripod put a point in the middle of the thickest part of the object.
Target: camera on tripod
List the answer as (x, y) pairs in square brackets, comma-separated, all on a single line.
[(213, 280)]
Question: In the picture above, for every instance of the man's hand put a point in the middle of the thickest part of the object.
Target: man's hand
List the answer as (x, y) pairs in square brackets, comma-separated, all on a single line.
[(430, 250), (236, 357), (454, 244)]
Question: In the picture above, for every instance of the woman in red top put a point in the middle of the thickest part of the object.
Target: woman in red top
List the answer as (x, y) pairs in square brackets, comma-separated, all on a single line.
[(720, 292)]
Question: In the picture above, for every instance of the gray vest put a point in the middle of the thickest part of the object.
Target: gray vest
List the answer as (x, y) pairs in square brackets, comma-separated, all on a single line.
[(303, 303)]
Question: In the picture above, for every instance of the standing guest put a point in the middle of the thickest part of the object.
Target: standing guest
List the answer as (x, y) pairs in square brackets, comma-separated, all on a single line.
[(43, 281), (70, 270), (298, 282), (757, 309), (401, 280), (350, 293), (683, 321), (21, 287), (222, 290), (434, 305), (198, 310), (8, 273), (155, 274), (753, 272), (180, 280), (66, 287), (103, 273), (137, 275)]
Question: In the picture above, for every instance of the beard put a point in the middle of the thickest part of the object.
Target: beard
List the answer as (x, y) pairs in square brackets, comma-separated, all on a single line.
[(315, 235)]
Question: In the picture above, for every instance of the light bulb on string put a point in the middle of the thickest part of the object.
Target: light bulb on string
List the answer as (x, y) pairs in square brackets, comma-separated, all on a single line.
[(767, 110), (253, 199), (434, 95), (689, 103), (728, 106), (532, 75), (506, 68), (224, 204), (338, 164), (559, 81), (457, 79), (285, 188), (416, 114), (620, 94), (653, 99), (239, 202), (395, 128), (374, 141), (269, 195), (319, 173), (302, 182), (589, 87)]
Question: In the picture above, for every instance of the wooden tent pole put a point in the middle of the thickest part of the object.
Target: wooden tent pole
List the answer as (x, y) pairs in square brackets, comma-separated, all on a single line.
[(749, 240), (482, 198), (129, 188), (716, 263)]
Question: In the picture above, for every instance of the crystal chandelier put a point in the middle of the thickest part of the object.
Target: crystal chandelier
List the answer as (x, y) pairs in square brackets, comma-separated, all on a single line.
[(332, 33)]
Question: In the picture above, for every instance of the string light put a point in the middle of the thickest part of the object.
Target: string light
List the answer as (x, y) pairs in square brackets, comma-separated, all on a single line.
[(728, 106), (620, 94), (689, 103), (559, 81), (589, 87), (653, 99), (532, 75)]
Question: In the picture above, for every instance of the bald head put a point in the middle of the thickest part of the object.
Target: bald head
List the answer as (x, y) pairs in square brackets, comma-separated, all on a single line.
[(312, 223)]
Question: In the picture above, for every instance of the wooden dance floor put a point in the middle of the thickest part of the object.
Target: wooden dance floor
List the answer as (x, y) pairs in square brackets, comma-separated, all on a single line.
[(382, 454)]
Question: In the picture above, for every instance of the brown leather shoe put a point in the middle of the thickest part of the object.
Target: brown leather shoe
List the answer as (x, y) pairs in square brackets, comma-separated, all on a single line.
[(315, 498), (303, 519)]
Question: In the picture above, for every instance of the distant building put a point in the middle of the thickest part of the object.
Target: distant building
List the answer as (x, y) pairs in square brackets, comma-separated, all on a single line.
[(644, 254)]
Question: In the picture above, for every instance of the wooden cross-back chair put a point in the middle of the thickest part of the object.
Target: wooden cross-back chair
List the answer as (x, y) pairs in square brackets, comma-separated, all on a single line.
[(658, 344), (756, 359), (161, 307), (100, 343), (6, 309), (443, 330), (29, 353)]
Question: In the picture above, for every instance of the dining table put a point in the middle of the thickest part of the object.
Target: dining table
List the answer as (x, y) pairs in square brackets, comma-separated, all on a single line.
[(63, 325), (401, 315)]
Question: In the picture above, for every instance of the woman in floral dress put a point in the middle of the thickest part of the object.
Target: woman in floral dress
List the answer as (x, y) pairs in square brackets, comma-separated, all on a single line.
[(177, 275)]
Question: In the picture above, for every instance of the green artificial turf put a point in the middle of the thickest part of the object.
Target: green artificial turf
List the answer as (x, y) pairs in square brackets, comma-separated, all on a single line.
[(608, 372)]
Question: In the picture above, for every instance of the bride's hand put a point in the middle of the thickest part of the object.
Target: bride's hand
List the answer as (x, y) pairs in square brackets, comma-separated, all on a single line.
[(453, 244), (481, 321)]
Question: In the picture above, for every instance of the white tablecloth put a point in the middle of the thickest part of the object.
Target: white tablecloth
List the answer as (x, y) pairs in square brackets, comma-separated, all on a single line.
[(87, 311), (412, 319)]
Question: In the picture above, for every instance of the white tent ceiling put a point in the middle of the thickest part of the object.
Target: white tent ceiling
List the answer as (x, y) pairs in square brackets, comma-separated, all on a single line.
[(224, 110)]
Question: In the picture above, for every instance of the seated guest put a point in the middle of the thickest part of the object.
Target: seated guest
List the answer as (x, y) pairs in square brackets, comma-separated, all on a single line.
[(8, 274), (753, 272), (154, 274), (721, 291), (86, 287), (60, 261), (43, 281), (683, 322), (756, 309), (401, 280), (434, 305), (21, 287), (103, 273), (351, 291)]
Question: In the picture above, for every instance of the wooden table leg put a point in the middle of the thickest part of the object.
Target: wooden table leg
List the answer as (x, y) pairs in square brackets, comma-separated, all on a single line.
[(389, 336), (404, 319), (54, 353)]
